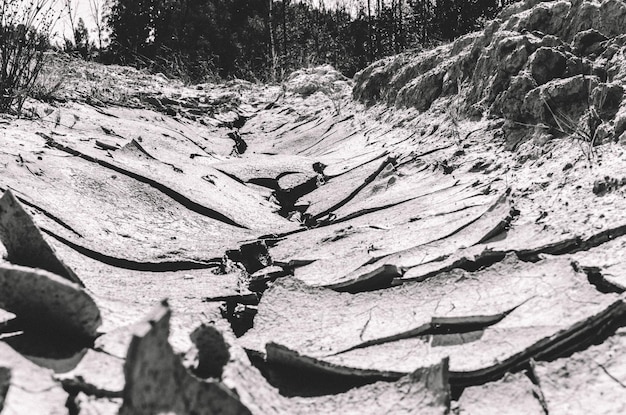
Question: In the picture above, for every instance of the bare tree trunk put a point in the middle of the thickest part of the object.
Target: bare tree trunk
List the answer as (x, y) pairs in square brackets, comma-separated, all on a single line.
[(378, 5), (285, 5), (394, 26), (401, 37), (424, 22), (369, 30), (272, 45), (71, 13), (97, 13)]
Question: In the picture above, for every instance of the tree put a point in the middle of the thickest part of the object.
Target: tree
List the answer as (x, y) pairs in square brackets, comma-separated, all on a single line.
[(132, 24), (259, 39), (272, 42), (71, 14), (369, 30), (81, 38), (96, 10)]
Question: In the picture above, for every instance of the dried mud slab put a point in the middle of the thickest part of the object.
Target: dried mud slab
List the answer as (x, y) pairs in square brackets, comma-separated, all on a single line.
[(395, 184), (589, 381), (339, 140), (156, 380), (605, 263), (97, 374), (193, 182), (339, 190), (263, 167), (319, 322), (185, 289), (24, 243), (487, 322), (512, 395), (308, 137), (597, 253), (337, 166), (31, 389), (371, 250), (46, 301), (425, 391), (115, 218)]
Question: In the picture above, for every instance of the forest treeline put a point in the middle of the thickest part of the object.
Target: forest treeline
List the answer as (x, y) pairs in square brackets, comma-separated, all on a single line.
[(266, 39)]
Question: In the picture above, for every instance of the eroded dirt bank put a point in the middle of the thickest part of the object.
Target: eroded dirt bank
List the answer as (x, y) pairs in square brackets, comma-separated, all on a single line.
[(444, 234)]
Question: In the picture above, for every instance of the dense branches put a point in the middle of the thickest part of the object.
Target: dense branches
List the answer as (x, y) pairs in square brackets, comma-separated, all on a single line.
[(24, 35), (263, 39)]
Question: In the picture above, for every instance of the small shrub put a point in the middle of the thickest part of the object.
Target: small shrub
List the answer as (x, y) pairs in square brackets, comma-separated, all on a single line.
[(25, 27), (49, 85)]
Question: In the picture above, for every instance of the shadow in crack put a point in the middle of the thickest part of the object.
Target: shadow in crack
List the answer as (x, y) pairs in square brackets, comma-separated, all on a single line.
[(294, 381), (58, 352), (585, 337)]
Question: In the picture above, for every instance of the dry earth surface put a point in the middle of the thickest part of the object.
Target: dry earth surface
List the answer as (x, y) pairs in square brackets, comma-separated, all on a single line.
[(442, 234)]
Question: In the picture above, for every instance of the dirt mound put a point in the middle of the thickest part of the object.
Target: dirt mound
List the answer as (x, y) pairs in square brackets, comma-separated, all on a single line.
[(559, 65), (323, 79)]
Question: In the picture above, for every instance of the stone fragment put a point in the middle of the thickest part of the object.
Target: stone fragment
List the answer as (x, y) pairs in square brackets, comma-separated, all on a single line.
[(157, 381), (588, 42), (24, 242), (212, 350), (546, 64), (45, 301)]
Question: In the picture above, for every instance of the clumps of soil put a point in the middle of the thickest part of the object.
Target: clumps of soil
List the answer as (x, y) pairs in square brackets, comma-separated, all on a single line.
[(607, 184), (560, 65), (323, 79)]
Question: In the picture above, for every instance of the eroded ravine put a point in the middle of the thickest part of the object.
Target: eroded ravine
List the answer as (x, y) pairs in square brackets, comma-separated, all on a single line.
[(314, 262)]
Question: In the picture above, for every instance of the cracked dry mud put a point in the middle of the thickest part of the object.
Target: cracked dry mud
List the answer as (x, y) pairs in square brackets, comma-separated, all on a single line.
[(442, 245)]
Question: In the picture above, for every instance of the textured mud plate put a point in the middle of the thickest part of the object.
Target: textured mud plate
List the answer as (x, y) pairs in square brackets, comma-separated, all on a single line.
[(590, 381), (109, 213), (488, 322), (31, 389)]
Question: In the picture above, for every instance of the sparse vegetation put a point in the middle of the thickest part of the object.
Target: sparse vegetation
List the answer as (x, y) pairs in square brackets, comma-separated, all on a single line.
[(24, 36), (587, 128), (48, 87)]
